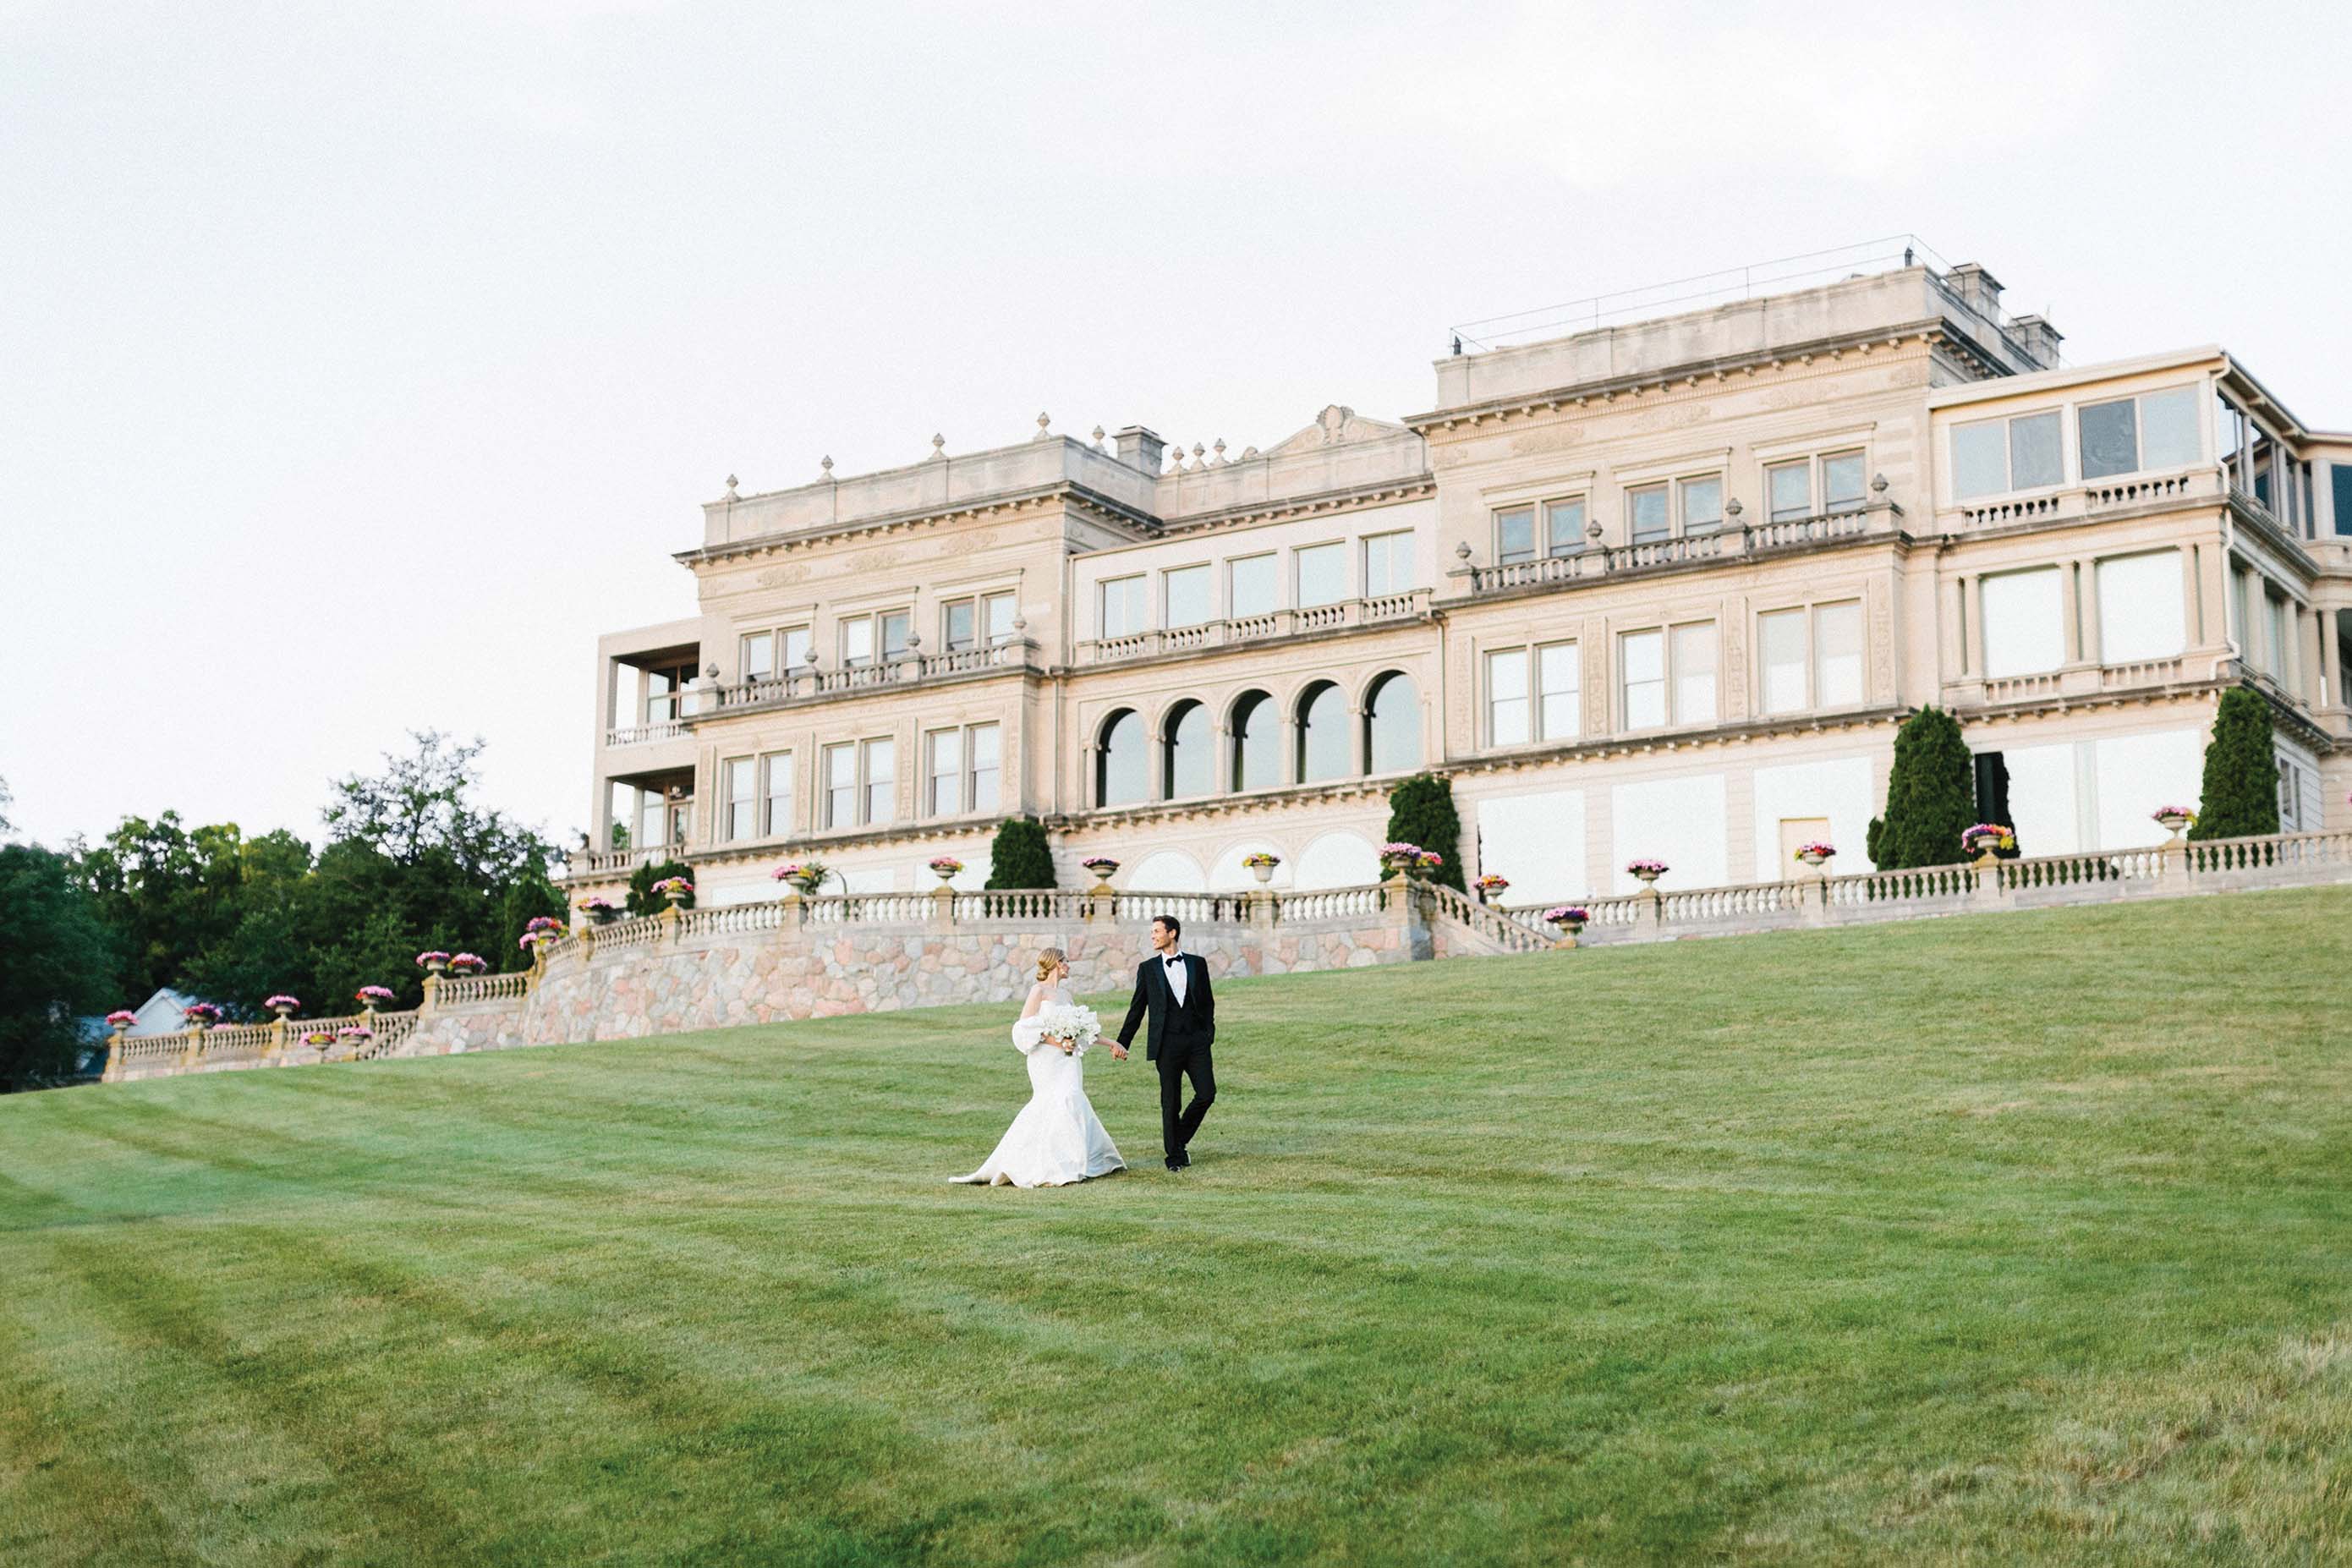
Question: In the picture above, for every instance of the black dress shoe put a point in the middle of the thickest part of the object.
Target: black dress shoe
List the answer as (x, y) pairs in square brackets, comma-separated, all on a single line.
[(1180, 1164)]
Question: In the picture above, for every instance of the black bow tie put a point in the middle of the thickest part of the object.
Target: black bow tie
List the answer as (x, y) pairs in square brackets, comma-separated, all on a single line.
[(1178, 959)]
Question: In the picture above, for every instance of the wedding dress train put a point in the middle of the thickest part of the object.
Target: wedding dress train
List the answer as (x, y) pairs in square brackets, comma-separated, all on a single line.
[(1057, 1139)]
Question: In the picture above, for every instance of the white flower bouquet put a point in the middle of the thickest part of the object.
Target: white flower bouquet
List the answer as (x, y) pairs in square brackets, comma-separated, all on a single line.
[(1070, 1023)]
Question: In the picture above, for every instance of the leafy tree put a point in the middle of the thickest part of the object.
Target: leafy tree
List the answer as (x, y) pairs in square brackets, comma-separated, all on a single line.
[(1930, 791), (1420, 811), (165, 893), (643, 900), (2240, 795), (55, 965), (1020, 856)]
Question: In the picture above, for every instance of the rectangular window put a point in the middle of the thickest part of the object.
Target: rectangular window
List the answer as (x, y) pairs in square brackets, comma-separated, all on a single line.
[(1837, 655), (1642, 665), (1563, 527), (1506, 697), (895, 626), (1388, 564), (1322, 575), (881, 779), (2281, 645), (1702, 504), (1842, 487), (1121, 612), (2339, 493), (2168, 430), (1781, 654), (1250, 587), (1559, 680), (2109, 432), (959, 625), (2024, 634), (653, 820), (983, 747), (742, 797), (2140, 607), (944, 764), (1999, 456), (841, 786), (1185, 590), (759, 658), (997, 614), (665, 689), (1645, 514), (776, 813), (1515, 535), (857, 642), (1693, 653), (795, 645), (1788, 490)]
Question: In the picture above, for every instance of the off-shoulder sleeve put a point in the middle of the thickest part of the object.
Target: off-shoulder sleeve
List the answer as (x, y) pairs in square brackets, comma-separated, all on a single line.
[(1026, 1034)]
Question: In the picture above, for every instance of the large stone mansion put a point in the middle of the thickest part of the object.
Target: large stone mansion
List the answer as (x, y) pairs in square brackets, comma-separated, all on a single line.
[(1664, 588)]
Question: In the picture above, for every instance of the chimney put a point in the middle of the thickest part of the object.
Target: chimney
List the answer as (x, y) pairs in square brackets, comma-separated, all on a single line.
[(1139, 448), (1976, 288), (2039, 339)]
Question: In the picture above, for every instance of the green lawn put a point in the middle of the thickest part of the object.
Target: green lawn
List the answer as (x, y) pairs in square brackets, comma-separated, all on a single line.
[(2016, 1238)]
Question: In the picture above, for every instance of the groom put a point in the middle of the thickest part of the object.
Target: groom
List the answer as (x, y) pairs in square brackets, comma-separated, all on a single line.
[(1173, 986)]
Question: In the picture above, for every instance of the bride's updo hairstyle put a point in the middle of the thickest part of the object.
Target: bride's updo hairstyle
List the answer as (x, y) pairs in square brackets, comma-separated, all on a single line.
[(1048, 961)]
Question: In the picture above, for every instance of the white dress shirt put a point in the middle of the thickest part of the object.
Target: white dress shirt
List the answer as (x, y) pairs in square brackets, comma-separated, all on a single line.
[(1179, 975)]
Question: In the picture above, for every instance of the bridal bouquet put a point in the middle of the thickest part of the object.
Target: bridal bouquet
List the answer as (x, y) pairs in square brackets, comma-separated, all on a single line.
[(1071, 1022)]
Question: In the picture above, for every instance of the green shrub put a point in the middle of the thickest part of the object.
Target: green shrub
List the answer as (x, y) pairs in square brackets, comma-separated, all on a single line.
[(1020, 858), (1931, 796), (1420, 811), (643, 900), (2240, 796)]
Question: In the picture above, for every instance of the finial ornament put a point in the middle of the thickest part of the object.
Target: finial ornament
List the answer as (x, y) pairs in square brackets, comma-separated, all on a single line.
[(1220, 448), (1461, 551), (1732, 509), (1098, 438), (731, 482), (939, 445), (1045, 426), (1878, 483), (827, 464)]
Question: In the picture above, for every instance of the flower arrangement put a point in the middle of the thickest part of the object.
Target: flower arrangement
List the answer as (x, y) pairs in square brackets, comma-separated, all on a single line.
[(1647, 870), (547, 924), (1431, 859), (469, 964), (122, 1018), (355, 1032), (1072, 1023), (372, 995), (1397, 857), (1100, 865), (201, 1012), (946, 865), (806, 874), (434, 960), (1491, 883), (1570, 915), (2174, 816), (282, 1004), (530, 939), (1987, 835), (1260, 859), (675, 887), (1817, 850), (319, 1037)]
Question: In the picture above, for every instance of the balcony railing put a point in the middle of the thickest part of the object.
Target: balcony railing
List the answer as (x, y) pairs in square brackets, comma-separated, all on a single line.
[(2088, 500), (2075, 681), (586, 863), (1237, 630), (813, 683), (1600, 561), (638, 734)]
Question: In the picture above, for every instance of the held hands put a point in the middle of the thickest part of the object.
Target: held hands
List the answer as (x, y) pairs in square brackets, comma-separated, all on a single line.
[(1118, 1053)]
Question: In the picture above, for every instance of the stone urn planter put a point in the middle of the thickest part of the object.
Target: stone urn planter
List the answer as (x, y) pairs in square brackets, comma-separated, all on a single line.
[(1816, 855), (947, 869), (1103, 866), (600, 912), (1567, 920), (2174, 818), (284, 1006), (1647, 872), (1262, 867)]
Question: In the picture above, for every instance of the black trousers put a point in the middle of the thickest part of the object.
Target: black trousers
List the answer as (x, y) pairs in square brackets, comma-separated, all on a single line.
[(1176, 1064)]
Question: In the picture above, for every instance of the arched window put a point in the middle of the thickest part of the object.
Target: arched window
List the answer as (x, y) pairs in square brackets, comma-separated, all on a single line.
[(1258, 742), (1393, 724), (1187, 768), (1122, 775), (1326, 750)]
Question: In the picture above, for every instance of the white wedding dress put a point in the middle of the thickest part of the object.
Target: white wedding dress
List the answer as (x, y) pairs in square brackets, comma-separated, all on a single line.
[(1057, 1139)]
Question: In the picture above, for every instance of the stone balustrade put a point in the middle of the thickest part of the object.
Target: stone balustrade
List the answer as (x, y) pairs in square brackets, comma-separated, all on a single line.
[(1688, 551), (1271, 626)]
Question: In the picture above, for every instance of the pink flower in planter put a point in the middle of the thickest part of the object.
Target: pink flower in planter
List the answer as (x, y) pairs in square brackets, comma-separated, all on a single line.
[(282, 1000), (121, 1020), (469, 962), (426, 960), (378, 994)]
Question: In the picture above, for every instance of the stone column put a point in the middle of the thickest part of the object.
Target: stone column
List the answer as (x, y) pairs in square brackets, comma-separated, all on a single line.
[(2070, 610), (113, 1073), (2094, 634), (1972, 623), (2331, 669), (195, 1051), (943, 907)]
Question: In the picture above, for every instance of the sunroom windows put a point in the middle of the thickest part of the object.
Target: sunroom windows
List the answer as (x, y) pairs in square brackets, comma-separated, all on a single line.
[(1995, 456), (2128, 435)]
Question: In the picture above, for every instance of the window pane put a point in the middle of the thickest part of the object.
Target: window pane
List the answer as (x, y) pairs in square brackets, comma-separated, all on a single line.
[(2110, 434), (1695, 673), (2021, 631), (945, 767), (1123, 776), (999, 617), (1322, 575), (2140, 607), (653, 822), (1780, 636), (1121, 610), (1394, 721), (1979, 461), (1842, 482), (1188, 595), (1388, 564), (881, 797), (1789, 489), (758, 662), (796, 647), (1646, 513), (2167, 428), (986, 763), (1558, 676), (858, 641), (1515, 535), (1326, 749), (961, 628), (1641, 656), (1253, 586), (1564, 525), (1702, 504), (2033, 457), (1837, 656), (1506, 697), (895, 628), (1257, 743), (742, 798), (777, 815), (2339, 491), (840, 786), (1190, 766)]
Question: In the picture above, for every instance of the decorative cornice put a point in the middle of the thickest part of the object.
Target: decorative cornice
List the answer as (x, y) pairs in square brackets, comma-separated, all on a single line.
[(1101, 508), (1359, 497)]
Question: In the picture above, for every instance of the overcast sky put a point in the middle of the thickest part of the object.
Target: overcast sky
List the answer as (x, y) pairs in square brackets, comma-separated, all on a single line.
[(359, 364)]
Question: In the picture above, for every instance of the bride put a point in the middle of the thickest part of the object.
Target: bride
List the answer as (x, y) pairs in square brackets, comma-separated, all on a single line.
[(1057, 1139)]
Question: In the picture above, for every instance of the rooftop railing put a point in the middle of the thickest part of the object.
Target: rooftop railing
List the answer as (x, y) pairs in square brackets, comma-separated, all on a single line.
[(1594, 562), (1234, 631), (813, 683)]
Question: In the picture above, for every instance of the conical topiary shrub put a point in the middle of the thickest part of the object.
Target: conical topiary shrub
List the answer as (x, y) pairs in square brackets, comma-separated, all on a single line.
[(2239, 797), (1020, 856), (1420, 811), (1931, 795)]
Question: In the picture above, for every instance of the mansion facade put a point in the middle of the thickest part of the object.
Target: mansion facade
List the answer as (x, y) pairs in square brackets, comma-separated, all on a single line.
[(1662, 589)]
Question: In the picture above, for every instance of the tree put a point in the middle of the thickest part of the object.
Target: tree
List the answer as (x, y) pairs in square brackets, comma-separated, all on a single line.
[(1930, 791), (55, 965), (1020, 856), (643, 900), (165, 893), (2240, 795), (1420, 811)]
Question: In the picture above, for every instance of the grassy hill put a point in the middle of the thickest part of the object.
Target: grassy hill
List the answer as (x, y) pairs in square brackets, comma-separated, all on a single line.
[(2025, 1237)]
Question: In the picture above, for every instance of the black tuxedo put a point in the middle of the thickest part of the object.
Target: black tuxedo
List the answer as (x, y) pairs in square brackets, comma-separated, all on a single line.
[(1181, 1033)]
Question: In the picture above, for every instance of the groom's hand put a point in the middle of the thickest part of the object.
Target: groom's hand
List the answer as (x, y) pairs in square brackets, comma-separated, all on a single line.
[(1118, 1053)]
